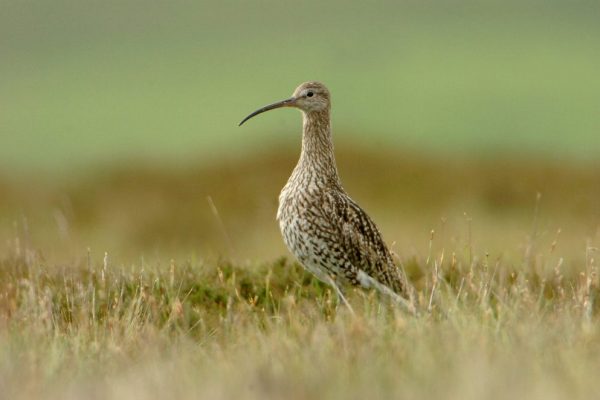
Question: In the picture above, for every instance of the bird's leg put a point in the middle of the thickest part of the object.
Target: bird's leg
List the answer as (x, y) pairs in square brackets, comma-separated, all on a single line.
[(368, 282), (339, 293), (325, 277)]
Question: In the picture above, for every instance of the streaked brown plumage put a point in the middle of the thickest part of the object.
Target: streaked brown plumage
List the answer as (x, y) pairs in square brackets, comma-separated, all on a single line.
[(322, 226)]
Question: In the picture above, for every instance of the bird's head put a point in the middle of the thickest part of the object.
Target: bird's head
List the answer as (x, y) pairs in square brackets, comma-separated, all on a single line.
[(309, 97)]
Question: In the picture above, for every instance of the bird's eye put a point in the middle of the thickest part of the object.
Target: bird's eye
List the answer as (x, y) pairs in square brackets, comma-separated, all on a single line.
[(309, 94)]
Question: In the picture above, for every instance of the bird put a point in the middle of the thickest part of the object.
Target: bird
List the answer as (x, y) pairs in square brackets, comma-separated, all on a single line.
[(327, 231)]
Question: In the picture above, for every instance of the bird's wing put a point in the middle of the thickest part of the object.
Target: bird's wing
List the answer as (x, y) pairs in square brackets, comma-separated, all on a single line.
[(364, 246)]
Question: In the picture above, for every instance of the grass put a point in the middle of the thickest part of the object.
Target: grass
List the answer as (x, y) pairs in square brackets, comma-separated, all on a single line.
[(156, 212), (216, 330), (126, 284)]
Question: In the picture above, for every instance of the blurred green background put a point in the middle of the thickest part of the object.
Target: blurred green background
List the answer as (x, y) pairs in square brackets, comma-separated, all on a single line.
[(88, 83), (118, 123)]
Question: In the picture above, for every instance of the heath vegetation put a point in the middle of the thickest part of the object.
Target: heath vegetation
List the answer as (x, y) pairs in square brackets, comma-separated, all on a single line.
[(146, 283)]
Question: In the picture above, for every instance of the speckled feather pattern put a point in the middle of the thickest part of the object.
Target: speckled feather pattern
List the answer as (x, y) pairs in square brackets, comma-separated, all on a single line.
[(323, 227)]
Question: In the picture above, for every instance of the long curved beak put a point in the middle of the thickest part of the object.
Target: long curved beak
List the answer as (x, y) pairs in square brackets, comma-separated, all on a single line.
[(283, 103)]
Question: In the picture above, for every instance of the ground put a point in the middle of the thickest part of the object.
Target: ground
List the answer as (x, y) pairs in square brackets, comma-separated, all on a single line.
[(145, 283)]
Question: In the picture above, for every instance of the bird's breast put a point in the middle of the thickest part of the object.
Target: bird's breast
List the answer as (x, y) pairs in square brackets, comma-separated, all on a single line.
[(297, 197)]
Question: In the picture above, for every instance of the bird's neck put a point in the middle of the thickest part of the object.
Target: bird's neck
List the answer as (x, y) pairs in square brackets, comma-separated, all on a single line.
[(317, 157)]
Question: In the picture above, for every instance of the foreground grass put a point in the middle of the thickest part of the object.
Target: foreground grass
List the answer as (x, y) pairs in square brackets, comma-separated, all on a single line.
[(197, 329)]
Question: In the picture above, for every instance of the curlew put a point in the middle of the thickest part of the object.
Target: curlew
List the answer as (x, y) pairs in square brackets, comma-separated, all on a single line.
[(322, 226)]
